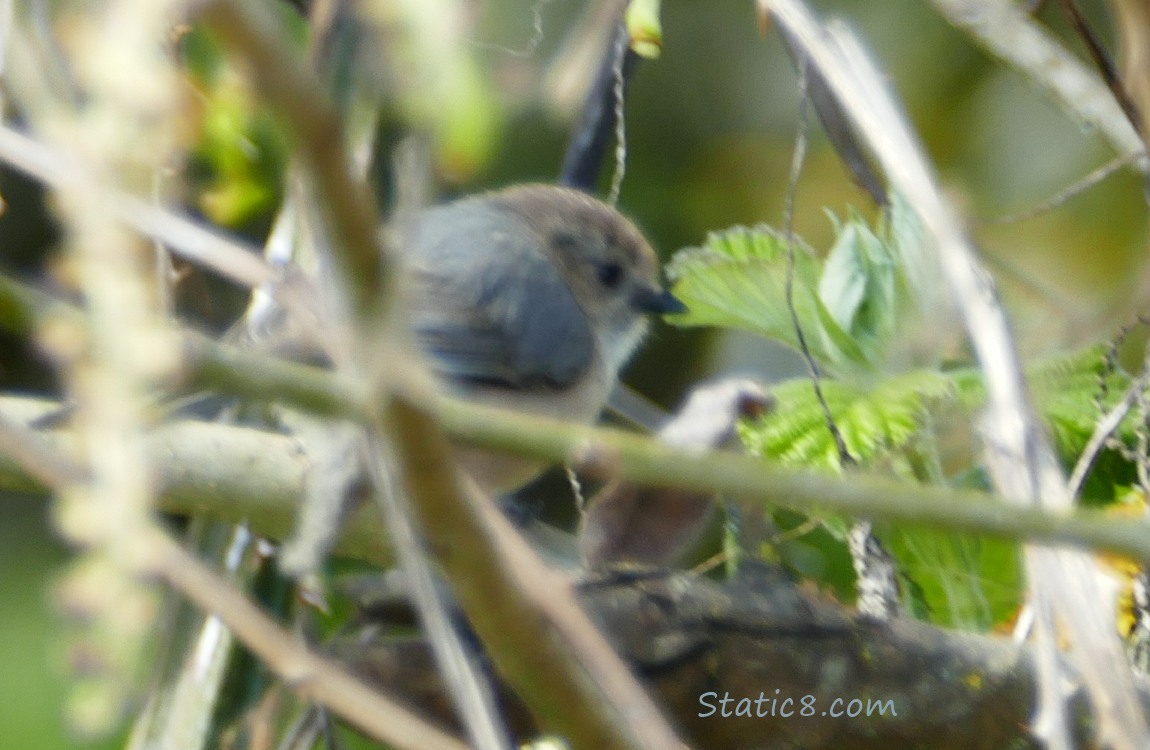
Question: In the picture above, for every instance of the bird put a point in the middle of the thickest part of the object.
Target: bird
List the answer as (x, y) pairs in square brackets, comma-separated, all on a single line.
[(533, 298)]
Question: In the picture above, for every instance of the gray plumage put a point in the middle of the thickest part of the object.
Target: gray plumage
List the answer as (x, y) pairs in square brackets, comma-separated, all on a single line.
[(489, 306)]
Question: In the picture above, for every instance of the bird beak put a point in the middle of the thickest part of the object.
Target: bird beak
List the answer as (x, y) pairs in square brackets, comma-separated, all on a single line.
[(652, 299)]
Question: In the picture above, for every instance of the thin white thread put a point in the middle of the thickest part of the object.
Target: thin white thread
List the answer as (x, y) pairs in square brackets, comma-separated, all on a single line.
[(533, 43), (1064, 195), (577, 491), (620, 124)]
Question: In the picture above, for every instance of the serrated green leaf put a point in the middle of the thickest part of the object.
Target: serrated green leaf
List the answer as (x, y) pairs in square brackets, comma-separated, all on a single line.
[(738, 280), (849, 308), (1070, 392), (958, 580), (875, 423)]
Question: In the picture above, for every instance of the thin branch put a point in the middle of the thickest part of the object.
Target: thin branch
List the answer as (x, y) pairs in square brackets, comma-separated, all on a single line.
[(313, 677), (1102, 61), (583, 159), (1070, 191), (797, 159), (619, 77), (1103, 430), (236, 473)]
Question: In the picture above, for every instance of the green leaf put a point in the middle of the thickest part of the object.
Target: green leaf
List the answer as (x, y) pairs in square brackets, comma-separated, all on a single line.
[(952, 576), (967, 582), (241, 152), (1071, 392), (850, 308), (738, 280), (875, 422), (860, 286), (958, 580), (910, 248)]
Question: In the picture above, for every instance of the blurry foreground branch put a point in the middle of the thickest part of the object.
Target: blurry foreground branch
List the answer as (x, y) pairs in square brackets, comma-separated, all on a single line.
[(708, 652), (237, 473)]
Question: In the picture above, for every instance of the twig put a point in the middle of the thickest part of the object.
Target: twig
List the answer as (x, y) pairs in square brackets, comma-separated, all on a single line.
[(619, 76), (797, 160), (1062, 196), (583, 159), (236, 473), (874, 570), (532, 44), (1103, 430), (1102, 61), (313, 677)]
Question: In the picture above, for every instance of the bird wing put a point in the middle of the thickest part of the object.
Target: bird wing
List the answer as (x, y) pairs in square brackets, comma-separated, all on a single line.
[(489, 307)]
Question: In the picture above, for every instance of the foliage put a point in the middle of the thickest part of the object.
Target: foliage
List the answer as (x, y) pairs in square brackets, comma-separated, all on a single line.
[(239, 155), (855, 309)]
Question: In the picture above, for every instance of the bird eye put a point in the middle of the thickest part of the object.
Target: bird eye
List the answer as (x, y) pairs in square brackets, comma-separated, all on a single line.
[(610, 274)]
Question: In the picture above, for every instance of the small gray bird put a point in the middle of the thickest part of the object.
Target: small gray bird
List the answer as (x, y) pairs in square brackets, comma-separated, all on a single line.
[(532, 298)]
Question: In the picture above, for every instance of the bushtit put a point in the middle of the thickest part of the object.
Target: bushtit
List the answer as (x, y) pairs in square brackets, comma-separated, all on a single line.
[(531, 298)]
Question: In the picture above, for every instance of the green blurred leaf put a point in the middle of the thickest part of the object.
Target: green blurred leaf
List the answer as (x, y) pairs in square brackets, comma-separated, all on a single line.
[(859, 286), (1071, 392), (438, 84), (239, 155), (465, 121), (644, 29), (966, 582)]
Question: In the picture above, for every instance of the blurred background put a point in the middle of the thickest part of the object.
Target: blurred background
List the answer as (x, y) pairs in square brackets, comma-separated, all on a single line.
[(710, 131)]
